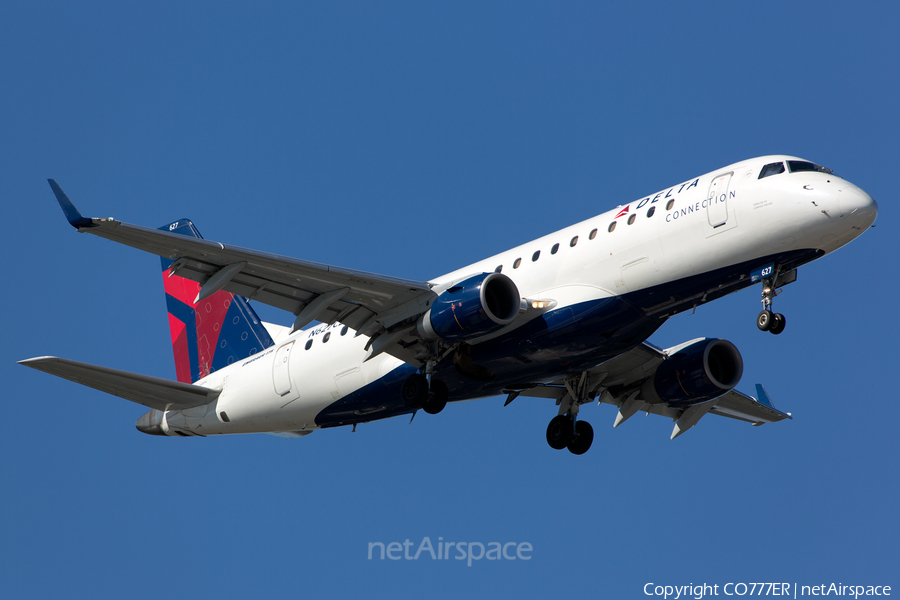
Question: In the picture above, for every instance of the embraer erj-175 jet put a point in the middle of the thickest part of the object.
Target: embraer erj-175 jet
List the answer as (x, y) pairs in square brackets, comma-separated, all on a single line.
[(564, 317)]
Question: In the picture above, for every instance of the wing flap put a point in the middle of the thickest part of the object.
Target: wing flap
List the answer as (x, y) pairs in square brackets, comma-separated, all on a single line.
[(281, 281), (740, 406), (152, 392), (270, 288)]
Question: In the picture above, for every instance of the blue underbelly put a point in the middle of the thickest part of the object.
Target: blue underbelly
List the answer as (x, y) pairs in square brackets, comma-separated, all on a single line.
[(567, 340), (570, 339)]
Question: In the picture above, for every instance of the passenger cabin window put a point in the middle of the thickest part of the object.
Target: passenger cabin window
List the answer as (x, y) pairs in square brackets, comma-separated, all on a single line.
[(554, 249), (573, 242), (327, 337), (651, 211), (798, 166), (309, 344), (535, 256), (631, 219), (344, 330), (670, 204), (593, 234), (771, 169), (517, 263), (498, 269), (612, 226)]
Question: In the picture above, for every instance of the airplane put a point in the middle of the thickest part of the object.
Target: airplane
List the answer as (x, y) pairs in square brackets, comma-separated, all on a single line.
[(564, 317)]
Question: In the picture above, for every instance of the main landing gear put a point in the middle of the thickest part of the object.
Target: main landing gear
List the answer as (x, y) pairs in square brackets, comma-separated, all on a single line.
[(767, 320), (417, 393), (564, 431)]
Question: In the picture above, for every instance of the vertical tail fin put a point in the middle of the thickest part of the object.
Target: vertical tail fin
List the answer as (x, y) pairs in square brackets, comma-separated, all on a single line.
[(212, 333)]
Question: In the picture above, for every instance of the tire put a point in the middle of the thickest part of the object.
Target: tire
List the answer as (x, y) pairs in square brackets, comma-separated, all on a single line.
[(778, 324), (414, 391), (437, 399), (764, 320), (584, 437), (560, 432)]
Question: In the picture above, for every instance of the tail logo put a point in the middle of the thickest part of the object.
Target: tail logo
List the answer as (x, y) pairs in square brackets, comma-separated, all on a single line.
[(212, 333)]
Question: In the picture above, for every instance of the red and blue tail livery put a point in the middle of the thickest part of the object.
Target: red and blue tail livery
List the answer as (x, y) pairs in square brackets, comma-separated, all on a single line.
[(210, 333)]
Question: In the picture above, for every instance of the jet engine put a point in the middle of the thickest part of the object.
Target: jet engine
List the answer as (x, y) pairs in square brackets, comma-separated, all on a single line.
[(696, 373), (476, 306)]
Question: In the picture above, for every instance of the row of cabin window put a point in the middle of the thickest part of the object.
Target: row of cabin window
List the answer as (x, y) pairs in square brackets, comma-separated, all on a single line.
[(326, 337), (593, 234)]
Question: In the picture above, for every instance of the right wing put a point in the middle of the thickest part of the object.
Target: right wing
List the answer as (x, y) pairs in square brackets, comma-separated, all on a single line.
[(368, 303), (625, 370), (152, 392), (618, 382)]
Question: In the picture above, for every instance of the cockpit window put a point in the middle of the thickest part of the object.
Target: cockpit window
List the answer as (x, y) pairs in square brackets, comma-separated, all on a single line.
[(797, 166), (771, 169)]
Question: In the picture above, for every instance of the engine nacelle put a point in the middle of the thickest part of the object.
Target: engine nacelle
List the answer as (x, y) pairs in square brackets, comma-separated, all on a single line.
[(696, 373), (477, 306)]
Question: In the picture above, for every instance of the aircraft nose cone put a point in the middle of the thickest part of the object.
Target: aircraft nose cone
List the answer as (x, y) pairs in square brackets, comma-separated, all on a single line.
[(858, 206)]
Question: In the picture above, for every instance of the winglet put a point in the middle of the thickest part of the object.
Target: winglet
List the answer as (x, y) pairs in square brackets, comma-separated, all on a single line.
[(74, 217), (762, 397)]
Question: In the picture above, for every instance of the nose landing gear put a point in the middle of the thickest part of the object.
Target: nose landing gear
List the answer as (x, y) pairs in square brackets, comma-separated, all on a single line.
[(772, 322), (767, 320)]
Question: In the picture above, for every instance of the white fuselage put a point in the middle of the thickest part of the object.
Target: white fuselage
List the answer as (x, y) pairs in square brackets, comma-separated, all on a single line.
[(727, 217)]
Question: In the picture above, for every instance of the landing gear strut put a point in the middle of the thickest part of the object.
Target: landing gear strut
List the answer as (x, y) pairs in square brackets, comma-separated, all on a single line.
[(767, 320), (564, 431)]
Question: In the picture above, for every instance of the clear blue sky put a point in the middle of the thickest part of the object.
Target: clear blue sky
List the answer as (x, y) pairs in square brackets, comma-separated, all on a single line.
[(411, 139)]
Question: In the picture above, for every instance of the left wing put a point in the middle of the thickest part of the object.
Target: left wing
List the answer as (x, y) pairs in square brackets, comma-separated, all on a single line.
[(618, 381), (368, 303)]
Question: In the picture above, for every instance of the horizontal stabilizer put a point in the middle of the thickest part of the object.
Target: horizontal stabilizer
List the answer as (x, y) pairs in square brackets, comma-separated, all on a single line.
[(153, 392)]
